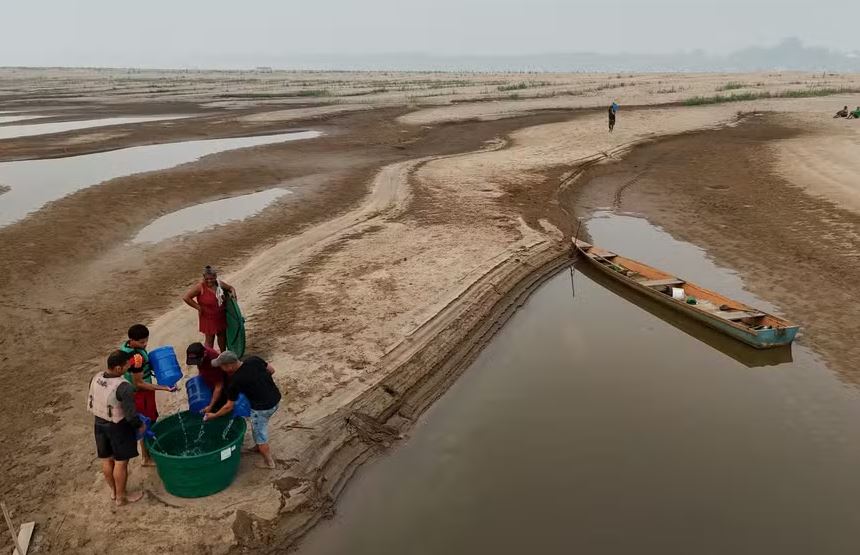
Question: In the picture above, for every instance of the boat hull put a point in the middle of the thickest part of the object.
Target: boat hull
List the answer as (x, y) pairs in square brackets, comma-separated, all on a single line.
[(759, 339)]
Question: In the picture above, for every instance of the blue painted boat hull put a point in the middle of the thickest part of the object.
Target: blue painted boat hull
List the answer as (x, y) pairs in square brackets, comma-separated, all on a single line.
[(759, 339)]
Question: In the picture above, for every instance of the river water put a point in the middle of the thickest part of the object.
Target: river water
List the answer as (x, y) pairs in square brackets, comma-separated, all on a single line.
[(33, 183), (206, 215), (31, 129), (592, 424)]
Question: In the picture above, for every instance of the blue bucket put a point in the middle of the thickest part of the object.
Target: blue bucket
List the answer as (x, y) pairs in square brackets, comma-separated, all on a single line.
[(165, 365), (199, 394), (242, 407)]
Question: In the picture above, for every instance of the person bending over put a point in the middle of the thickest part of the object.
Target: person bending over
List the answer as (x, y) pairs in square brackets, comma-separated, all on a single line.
[(253, 378)]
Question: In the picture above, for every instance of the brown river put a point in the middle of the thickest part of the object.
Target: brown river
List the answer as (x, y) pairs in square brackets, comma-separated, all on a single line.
[(596, 423)]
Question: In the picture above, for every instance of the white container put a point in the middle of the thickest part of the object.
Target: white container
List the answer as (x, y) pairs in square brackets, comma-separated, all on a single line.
[(678, 293)]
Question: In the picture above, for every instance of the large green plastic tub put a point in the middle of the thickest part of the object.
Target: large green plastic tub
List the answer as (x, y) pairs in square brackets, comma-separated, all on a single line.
[(192, 464)]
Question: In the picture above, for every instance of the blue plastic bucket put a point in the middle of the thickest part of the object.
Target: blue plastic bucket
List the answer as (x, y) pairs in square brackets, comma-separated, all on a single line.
[(165, 365), (242, 407), (199, 394)]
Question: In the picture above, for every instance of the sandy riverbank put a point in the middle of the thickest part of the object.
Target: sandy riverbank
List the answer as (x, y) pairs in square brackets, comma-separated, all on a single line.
[(410, 236)]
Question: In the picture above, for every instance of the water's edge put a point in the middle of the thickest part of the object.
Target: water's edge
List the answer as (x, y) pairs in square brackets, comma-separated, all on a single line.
[(418, 372)]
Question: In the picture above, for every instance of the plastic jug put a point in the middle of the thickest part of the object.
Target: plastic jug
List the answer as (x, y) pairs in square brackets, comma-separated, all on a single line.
[(165, 365), (199, 394), (242, 407), (148, 432)]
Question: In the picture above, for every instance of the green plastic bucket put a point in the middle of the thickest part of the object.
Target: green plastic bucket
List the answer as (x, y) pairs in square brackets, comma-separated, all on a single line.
[(195, 463)]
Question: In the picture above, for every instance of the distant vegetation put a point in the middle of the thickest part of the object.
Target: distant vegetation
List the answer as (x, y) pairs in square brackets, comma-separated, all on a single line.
[(289, 94), (522, 85), (732, 86), (738, 97)]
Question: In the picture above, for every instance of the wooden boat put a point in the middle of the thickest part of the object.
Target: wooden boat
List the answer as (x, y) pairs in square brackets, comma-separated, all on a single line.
[(733, 318)]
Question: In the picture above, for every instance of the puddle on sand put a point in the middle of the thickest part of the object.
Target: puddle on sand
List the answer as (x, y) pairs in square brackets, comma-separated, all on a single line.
[(589, 425), (32, 129), (208, 214), (36, 182)]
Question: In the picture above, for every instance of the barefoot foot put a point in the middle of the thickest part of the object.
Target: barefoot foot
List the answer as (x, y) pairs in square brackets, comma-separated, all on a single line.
[(131, 498)]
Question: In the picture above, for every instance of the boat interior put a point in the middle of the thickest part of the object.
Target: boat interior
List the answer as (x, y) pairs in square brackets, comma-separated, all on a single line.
[(693, 295)]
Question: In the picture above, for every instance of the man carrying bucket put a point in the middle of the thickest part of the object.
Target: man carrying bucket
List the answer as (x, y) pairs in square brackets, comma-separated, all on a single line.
[(111, 401), (253, 378), (139, 375)]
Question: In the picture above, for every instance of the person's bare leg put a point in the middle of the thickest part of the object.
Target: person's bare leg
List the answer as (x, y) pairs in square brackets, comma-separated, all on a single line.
[(209, 339), (264, 451), (107, 470), (222, 341), (145, 458), (120, 477)]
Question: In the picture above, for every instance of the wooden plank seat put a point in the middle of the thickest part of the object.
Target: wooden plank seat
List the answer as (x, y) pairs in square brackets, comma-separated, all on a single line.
[(673, 282), (736, 314)]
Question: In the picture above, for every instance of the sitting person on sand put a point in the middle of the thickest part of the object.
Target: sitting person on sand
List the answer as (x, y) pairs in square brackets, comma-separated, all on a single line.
[(843, 113), (207, 298), (111, 401)]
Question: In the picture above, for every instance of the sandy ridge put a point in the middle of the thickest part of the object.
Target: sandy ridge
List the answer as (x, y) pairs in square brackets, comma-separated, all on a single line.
[(263, 272)]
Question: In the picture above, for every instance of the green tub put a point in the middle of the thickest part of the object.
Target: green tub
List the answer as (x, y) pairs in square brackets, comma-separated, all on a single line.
[(195, 464)]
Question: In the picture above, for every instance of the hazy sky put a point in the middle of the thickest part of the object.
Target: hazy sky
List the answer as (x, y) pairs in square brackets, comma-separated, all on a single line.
[(200, 33)]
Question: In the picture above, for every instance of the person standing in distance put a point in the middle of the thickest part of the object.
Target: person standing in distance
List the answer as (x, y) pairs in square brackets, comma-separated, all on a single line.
[(253, 378), (613, 109)]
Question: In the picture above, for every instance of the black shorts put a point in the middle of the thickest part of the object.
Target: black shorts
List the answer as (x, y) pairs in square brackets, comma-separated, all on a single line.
[(117, 441)]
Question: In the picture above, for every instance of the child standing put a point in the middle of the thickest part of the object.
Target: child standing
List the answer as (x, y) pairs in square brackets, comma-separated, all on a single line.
[(139, 375)]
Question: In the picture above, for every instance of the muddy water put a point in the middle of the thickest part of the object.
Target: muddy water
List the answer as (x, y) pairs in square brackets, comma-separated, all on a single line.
[(208, 214), (592, 425), (34, 183), (32, 129)]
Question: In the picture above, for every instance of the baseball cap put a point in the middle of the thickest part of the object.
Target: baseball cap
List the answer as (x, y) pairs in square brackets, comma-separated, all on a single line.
[(194, 354), (227, 357)]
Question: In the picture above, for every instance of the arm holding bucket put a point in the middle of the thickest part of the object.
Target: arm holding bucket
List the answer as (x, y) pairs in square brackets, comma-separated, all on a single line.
[(216, 394), (141, 385), (226, 409)]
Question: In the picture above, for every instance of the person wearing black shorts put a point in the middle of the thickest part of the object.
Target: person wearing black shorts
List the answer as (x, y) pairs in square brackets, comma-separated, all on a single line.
[(611, 118), (111, 400)]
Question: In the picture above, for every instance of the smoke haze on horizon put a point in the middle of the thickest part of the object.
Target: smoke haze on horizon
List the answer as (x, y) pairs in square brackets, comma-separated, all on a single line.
[(291, 35)]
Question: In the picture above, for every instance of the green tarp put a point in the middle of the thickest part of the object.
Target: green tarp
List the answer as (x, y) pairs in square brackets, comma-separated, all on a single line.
[(235, 327)]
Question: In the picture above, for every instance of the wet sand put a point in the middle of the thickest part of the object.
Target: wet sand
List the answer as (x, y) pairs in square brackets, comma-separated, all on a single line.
[(724, 191)]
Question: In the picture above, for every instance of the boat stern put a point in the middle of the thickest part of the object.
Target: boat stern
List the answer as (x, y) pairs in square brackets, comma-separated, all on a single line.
[(775, 337)]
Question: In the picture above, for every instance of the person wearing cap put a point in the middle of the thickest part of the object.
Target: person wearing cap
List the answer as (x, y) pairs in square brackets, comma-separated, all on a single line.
[(253, 378), (207, 298), (111, 401), (201, 356)]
